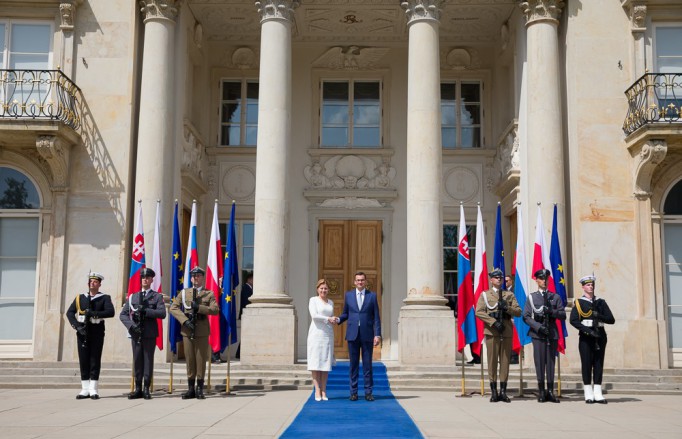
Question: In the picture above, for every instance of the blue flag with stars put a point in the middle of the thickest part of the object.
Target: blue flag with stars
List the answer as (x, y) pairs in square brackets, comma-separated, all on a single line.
[(230, 282), (498, 257), (177, 272), (558, 270)]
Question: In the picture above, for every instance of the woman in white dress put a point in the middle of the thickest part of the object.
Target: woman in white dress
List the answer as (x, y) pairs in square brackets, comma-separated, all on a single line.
[(321, 339)]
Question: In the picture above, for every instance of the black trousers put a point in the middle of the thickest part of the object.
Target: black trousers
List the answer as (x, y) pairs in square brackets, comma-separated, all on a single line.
[(591, 359), (90, 352), (143, 360), (545, 356)]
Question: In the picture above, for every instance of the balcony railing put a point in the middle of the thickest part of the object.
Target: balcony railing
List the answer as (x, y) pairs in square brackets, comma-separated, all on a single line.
[(39, 95), (654, 98)]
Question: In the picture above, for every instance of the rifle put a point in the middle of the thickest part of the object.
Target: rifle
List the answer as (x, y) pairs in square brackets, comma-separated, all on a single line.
[(546, 318), (140, 317), (193, 318)]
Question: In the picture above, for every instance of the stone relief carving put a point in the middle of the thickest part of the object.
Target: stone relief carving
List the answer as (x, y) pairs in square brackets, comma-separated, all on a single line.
[(67, 11), (239, 183), (350, 203), (277, 9), (422, 10), (508, 156), (460, 59), (51, 149), (461, 183), (192, 152), (198, 35), (651, 154), (637, 10), (159, 9), (243, 58), (535, 10), (350, 172), (351, 58), (376, 22)]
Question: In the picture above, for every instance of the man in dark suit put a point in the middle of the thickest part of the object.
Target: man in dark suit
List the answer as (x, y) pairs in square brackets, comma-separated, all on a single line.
[(139, 316), (246, 293), (363, 332)]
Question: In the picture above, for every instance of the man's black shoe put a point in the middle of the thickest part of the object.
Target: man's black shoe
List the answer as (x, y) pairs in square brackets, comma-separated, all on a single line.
[(474, 361), (353, 397), (369, 397)]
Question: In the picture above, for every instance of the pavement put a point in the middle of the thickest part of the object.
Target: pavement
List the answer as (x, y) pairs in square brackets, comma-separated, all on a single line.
[(259, 414)]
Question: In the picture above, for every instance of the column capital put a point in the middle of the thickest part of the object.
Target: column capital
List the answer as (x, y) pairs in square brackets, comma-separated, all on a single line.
[(420, 10), (160, 9), (542, 10), (277, 9)]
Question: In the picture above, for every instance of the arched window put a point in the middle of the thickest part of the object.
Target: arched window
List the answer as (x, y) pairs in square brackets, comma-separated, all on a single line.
[(19, 230), (673, 202)]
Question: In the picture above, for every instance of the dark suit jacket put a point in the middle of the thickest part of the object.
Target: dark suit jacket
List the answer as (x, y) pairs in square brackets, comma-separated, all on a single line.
[(156, 309), (365, 320), (534, 321), (246, 293), (100, 306)]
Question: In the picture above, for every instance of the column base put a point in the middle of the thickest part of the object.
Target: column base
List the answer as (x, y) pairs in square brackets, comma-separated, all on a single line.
[(268, 335), (427, 335)]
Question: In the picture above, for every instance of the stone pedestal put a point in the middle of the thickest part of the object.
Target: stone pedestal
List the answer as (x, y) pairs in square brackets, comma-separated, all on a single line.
[(268, 335), (427, 336)]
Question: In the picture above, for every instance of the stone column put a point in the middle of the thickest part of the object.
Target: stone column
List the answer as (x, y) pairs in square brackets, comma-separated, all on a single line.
[(155, 143), (269, 321), (543, 167), (427, 329)]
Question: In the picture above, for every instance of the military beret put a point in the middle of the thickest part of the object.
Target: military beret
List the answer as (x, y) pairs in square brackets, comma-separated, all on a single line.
[(496, 273), (197, 270), (542, 273), (589, 279), (147, 272), (95, 275)]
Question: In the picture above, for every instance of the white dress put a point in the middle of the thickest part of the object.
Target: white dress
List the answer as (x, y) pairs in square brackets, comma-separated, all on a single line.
[(320, 335)]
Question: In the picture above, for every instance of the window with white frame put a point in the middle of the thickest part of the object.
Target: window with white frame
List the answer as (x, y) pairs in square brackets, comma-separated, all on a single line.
[(461, 114), (668, 60), (239, 112), (350, 114), (450, 258), (245, 237)]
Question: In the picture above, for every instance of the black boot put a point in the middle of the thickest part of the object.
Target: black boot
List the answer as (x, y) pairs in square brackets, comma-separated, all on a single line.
[(145, 391), (137, 394), (503, 392), (200, 389), (550, 393), (541, 392), (493, 391), (190, 390)]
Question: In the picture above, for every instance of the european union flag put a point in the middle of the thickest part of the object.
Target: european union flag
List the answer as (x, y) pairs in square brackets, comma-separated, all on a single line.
[(230, 282), (177, 271), (558, 275), (498, 257)]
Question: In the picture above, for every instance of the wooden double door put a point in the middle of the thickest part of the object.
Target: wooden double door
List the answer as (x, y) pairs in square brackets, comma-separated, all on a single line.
[(346, 247)]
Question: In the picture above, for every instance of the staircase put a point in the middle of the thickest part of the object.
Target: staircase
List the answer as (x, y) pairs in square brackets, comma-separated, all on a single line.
[(58, 375)]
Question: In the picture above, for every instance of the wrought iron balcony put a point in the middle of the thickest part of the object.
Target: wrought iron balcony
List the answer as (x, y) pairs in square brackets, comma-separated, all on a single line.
[(655, 98), (39, 95)]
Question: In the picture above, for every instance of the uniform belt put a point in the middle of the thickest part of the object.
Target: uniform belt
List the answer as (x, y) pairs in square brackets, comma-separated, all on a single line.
[(199, 316)]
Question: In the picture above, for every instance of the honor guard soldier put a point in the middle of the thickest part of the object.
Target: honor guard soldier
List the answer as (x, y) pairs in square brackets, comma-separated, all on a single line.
[(139, 316), (86, 315), (495, 308), (542, 310), (190, 308), (588, 316)]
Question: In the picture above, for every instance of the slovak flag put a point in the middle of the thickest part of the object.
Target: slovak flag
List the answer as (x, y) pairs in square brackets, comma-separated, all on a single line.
[(480, 276), (466, 312), (138, 261), (540, 261), (521, 337), (156, 266), (192, 259), (214, 271)]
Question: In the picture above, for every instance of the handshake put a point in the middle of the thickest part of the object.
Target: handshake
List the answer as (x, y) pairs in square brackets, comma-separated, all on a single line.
[(334, 320)]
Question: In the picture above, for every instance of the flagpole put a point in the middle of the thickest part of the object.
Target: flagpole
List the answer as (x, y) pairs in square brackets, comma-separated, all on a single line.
[(559, 375), (482, 377), (521, 372), (170, 381), (227, 378), (463, 385), (210, 360)]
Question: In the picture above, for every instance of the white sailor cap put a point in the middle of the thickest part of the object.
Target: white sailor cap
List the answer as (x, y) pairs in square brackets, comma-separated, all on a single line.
[(95, 275), (589, 279)]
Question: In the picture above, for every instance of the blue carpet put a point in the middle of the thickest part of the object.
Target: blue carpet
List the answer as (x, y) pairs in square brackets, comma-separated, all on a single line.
[(339, 417)]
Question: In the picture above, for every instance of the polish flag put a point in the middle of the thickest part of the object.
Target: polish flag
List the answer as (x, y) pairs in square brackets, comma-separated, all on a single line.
[(214, 273), (480, 273)]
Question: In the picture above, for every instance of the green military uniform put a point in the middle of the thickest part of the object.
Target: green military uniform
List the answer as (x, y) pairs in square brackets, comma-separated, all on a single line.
[(498, 343), (196, 349)]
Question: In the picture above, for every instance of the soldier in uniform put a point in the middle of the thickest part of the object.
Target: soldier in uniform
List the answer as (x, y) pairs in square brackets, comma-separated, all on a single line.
[(588, 316), (542, 310), (86, 315), (190, 308), (139, 316), (495, 308)]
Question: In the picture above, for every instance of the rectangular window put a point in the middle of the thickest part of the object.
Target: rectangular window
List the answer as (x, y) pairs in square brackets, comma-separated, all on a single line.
[(450, 257), (461, 114), (351, 114), (245, 230), (668, 53), (239, 113)]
